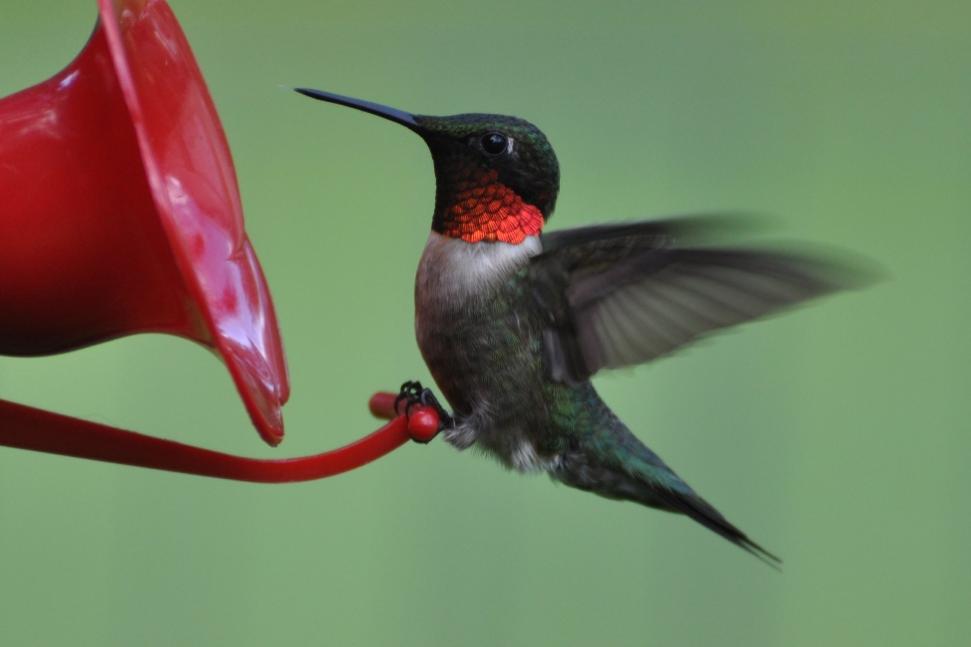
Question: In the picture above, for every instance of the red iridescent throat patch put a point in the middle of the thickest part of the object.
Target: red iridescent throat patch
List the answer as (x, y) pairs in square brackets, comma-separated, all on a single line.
[(485, 210)]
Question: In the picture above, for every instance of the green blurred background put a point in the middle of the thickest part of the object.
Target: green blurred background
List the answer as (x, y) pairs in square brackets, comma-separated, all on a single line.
[(837, 436)]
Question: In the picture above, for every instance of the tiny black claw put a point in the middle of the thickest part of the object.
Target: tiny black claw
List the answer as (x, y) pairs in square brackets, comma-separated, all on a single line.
[(414, 393), (410, 391)]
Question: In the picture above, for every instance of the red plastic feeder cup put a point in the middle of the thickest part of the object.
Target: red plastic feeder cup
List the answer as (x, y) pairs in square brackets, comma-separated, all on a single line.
[(120, 214)]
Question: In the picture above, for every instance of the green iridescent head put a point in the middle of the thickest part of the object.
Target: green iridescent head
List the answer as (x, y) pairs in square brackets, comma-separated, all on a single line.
[(466, 146)]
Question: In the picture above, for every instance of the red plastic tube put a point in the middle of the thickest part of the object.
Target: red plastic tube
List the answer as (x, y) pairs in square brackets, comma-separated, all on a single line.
[(44, 431)]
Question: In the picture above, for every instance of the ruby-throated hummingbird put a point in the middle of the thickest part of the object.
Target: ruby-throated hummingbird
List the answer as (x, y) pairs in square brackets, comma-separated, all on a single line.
[(513, 322)]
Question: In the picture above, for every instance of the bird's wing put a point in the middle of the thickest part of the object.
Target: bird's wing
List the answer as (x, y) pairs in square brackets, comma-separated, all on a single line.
[(620, 295)]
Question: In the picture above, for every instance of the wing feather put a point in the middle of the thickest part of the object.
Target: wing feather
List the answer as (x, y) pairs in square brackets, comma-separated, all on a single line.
[(626, 294)]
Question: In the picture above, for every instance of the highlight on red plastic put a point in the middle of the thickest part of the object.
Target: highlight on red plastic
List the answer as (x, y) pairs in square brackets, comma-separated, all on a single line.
[(28, 428), (120, 212)]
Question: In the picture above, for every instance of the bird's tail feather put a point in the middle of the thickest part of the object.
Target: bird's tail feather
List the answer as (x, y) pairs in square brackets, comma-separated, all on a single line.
[(705, 514), (615, 464)]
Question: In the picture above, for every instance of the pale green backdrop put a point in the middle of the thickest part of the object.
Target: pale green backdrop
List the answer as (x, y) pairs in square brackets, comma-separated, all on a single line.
[(837, 436)]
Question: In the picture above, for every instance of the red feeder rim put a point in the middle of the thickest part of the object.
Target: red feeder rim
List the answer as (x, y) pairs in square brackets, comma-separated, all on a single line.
[(179, 135)]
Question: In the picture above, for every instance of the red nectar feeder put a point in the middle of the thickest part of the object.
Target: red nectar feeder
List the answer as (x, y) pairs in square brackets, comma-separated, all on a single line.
[(120, 211), (120, 214)]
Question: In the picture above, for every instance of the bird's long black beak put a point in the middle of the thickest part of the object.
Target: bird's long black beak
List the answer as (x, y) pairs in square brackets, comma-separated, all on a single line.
[(391, 114)]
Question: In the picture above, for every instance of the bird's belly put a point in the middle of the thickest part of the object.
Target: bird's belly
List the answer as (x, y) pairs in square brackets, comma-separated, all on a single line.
[(478, 355), (482, 348), (491, 381)]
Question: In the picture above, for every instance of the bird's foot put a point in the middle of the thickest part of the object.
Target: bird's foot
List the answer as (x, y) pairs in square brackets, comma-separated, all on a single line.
[(412, 393)]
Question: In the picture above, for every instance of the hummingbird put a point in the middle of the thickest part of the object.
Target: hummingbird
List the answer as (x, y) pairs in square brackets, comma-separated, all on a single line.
[(513, 321)]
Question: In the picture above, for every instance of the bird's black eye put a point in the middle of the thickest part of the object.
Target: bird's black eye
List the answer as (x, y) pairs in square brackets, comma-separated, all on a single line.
[(494, 143)]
